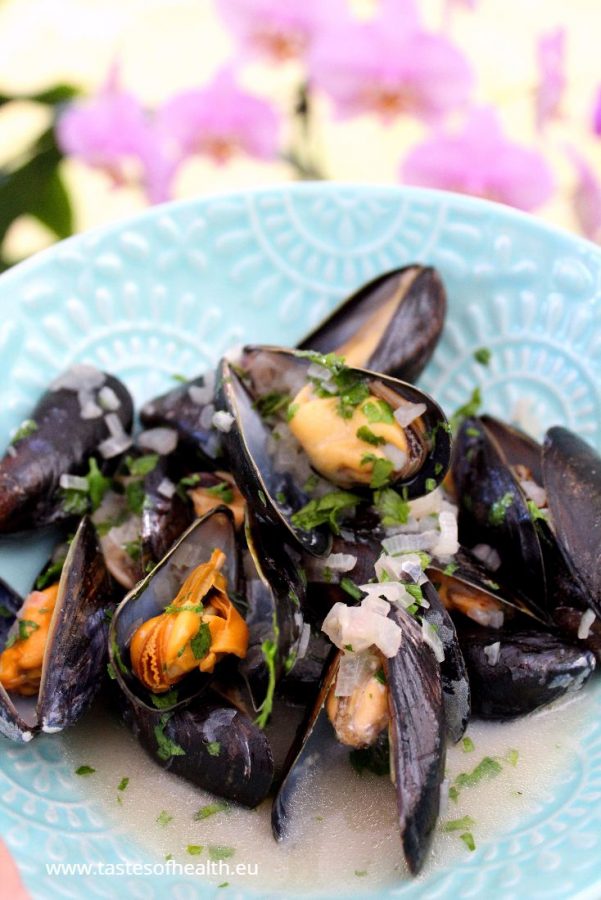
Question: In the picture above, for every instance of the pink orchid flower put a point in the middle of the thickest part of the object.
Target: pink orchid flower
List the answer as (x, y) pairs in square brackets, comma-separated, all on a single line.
[(389, 65), (10, 878), (278, 29), (586, 196), (220, 120), (480, 160), (552, 83), (112, 132)]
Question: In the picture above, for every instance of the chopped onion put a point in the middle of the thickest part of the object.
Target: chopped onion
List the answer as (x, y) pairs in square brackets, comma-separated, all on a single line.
[(376, 605), (490, 618), (223, 420), (303, 643), (114, 446), (159, 440), (586, 622), (88, 408), (392, 591), (200, 395), (534, 492), (428, 505), (487, 555), (397, 457), (339, 562), (448, 541), (401, 543), (114, 425), (360, 628), (166, 488), (408, 413), (73, 482), (108, 399), (354, 668), (492, 653), (206, 417), (430, 636), (79, 377)]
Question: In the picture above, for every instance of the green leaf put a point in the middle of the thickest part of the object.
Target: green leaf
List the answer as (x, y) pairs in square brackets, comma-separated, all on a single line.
[(166, 748), (469, 409), (324, 510), (85, 770), (164, 701), (381, 472), (143, 465), (50, 574), (467, 745), (210, 810), (459, 824), (391, 507), (223, 491), (468, 840), (24, 430), (122, 786), (378, 411), (135, 496), (351, 588), (217, 853), (272, 403), (496, 514), (164, 818), (194, 849), (201, 643), (482, 355), (512, 757), (366, 434), (214, 748)]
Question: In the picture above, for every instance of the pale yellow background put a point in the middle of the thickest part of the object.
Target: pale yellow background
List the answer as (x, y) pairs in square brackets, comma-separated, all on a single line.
[(167, 45)]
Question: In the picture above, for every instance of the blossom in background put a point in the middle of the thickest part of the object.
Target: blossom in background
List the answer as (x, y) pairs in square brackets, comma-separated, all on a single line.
[(550, 53), (111, 131), (278, 29), (597, 114), (220, 120), (389, 65), (586, 196), (480, 160)]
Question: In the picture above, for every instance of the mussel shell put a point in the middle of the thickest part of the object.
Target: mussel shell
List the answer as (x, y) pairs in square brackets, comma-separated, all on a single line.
[(533, 668), (408, 339), (76, 650), (150, 597), (274, 595), (176, 409), (62, 443), (417, 738), (453, 672), (77, 655), (572, 478), (218, 748), (10, 604), (483, 478), (164, 519), (246, 442)]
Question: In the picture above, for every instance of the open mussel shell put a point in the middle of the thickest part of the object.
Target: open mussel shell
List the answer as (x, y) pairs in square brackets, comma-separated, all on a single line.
[(10, 604), (165, 515), (62, 437), (150, 597), (417, 738), (513, 673), (455, 682), (274, 593), (210, 743), (494, 510), (276, 495), (391, 324), (188, 409), (75, 656)]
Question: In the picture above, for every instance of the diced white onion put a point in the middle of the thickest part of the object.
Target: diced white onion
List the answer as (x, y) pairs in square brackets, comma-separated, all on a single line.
[(339, 562), (534, 492), (428, 505), (114, 446), (401, 543), (200, 395), (320, 373), (108, 399), (586, 622), (206, 416), (492, 653), (397, 457), (393, 592), (448, 542), (223, 420), (490, 618), (430, 636), (79, 377), (114, 425), (376, 605), (159, 440), (360, 627), (354, 668), (303, 643), (88, 408), (166, 488), (408, 413), (487, 555), (73, 482)]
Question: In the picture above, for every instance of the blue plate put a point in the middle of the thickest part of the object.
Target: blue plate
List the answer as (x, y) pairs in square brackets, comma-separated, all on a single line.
[(168, 290)]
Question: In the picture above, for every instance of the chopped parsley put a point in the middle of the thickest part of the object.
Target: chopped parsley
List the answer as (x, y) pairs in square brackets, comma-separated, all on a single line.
[(535, 512), (25, 629), (143, 465), (349, 386), (292, 595), (472, 432), (135, 496), (467, 745), (351, 588), (281, 498), (310, 484), (272, 403), (380, 676), (468, 839), (438, 467), (262, 498), (496, 514), (360, 873), (194, 849), (415, 591), (223, 491), (166, 748), (486, 768), (122, 786), (85, 770), (164, 701), (164, 818), (24, 430), (217, 853), (378, 411), (210, 810), (469, 409), (181, 378), (291, 411), (512, 757), (381, 471), (482, 355), (214, 748), (269, 649), (289, 662), (50, 574), (133, 549), (324, 510), (201, 643), (459, 824), (391, 507), (430, 484), (348, 647), (366, 434), (450, 569), (117, 657)]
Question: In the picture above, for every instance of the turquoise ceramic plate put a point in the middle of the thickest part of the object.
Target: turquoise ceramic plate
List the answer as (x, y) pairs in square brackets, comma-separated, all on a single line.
[(170, 289)]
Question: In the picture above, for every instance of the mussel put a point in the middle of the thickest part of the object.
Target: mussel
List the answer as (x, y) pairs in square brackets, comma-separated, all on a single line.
[(373, 431), (389, 325), (55, 655), (85, 412)]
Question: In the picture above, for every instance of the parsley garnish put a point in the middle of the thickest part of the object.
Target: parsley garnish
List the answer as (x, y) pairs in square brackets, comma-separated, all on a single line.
[(210, 810), (366, 434), (166, 748), (351, 588), (291, 411), (135, 496), (324, 510), (381, 471), (378, 411), (486, 768), (468, 745), (143, 465), (133, 549), (223, 491), (415, 591), (217, 853), (85, 770), (24, 430), (391, 507), (214, 748), (535, 512), (181, 378), (122, 786), (496, 515), (512, 757), (50, 575), (380, 676), (269, 649), (469, 409), (430, 484), (468, 840), (350, 388), (201, 643), (272, 403), (482, 355), (459, 824), (194, 849), (164, 818), (163, 701), (25, 629)]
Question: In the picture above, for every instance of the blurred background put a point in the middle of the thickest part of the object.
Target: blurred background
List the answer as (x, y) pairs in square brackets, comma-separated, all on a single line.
[(107, 106)]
